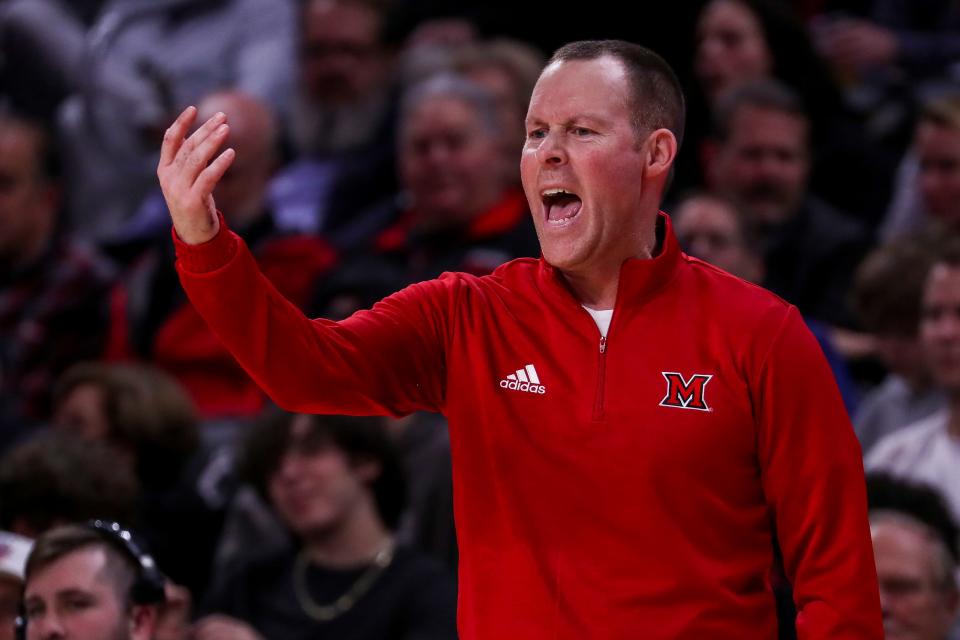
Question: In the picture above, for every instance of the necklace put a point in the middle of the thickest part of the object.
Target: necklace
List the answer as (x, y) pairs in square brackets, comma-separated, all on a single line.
[(327, 612)]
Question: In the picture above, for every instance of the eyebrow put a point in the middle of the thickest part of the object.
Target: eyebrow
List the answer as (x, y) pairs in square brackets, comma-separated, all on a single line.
[(577, 119)]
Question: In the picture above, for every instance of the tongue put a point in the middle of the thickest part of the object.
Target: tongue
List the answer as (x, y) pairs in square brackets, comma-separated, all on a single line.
[(563, 209)]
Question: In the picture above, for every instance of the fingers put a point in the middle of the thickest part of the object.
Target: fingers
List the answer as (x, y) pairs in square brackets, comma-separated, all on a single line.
[(174, 135), (210, 176), (196, 160)]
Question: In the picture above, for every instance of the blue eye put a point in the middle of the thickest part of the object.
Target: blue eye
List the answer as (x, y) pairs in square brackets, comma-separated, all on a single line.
[(582, 131), (537, 134)]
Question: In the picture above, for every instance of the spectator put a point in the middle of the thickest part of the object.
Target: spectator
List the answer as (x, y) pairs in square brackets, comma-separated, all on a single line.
[(887, 293), (141, 62), (337, 483), (927, 450), (460, 211), (929, 191), (55, 479), (508, 69), (13, 556), (341, 131), (743, 42), (916, 549), (53, 290), (89, 582), (763, 165), (709, 227), (916, 572), (153, 321), (149, 422)]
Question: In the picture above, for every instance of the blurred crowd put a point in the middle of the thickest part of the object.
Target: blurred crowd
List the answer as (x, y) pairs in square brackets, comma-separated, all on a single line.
[(378, 145)]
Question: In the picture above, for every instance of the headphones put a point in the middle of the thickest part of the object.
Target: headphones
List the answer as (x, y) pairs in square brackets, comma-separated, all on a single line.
[(148, 586)]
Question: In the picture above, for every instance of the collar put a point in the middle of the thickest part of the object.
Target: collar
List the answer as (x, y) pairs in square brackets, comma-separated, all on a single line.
[(640, 278)]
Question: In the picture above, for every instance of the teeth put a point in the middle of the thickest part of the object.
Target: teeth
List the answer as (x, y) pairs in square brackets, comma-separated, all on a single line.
[(555, 192)]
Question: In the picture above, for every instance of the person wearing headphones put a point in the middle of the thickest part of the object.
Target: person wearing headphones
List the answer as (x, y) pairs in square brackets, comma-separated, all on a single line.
[(90, 581)]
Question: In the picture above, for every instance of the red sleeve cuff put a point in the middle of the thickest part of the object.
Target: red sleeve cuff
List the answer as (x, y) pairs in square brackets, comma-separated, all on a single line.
[(207, 256)]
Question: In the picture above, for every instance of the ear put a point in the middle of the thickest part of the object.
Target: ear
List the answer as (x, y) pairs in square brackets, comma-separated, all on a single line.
[(143, 622), (661, 152)]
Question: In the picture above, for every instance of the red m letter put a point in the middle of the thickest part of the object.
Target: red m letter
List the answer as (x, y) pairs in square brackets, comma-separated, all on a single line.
[(686, 394)]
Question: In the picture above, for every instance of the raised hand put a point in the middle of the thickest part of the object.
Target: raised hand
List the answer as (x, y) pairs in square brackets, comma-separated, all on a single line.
[(188, 177)]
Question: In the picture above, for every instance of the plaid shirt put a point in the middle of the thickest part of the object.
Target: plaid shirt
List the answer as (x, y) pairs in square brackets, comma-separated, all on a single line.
[(53, 313)]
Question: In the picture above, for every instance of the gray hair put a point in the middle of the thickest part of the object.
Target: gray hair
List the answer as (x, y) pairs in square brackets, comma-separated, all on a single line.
[(451, 85)]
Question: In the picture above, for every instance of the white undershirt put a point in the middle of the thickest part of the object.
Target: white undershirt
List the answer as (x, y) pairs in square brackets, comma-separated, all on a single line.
[(602, 318)]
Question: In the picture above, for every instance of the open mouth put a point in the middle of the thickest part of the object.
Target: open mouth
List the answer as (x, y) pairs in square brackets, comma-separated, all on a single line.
[(560, 205)]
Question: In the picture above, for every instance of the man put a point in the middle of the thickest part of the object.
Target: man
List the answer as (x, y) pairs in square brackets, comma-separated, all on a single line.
[(341, 127), (915, 545), (82, 583), (610, 479), (930, 175), (929, 449), (709, 227), (762, 163), (887, 297), (457, 210), (337, 485), (53, 290), (918, 587)]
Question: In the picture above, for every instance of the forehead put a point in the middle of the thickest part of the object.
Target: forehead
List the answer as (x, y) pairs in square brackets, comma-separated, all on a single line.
[(581, 88), (340, 21), (753, 123), (80, 570), (439, 113), (933, 138), (19, 145), (943, 284), (901, 547), (705, 211)]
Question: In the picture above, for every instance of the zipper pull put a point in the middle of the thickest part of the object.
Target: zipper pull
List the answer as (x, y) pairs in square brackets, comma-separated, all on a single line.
[(603, 344)]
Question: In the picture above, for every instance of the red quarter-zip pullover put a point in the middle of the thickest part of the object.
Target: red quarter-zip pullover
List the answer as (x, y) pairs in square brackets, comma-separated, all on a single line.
[(618, 489)]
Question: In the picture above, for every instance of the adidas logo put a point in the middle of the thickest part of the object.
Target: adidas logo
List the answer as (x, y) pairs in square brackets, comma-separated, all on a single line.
[(525, 379)]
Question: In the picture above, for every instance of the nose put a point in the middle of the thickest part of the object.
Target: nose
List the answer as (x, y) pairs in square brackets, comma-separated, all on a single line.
[(550, 151), (46, 628)]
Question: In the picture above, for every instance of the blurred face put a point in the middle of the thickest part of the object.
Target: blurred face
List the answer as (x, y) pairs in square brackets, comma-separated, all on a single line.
[(904, 356), (27, 200), (73, 598), (708, 229), (763, 165), (731, 49), (316, 488), (940, 325), (938, 150), (83, 413), (449, 162), (582, 166), (242, 191), (342, 60), (914, 606)]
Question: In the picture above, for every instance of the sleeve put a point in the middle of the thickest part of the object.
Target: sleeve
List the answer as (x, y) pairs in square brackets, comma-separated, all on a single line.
[(813, 481), (386, 361)]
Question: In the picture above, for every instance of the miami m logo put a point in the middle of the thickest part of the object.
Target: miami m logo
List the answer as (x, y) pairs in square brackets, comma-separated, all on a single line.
[(686, 394)]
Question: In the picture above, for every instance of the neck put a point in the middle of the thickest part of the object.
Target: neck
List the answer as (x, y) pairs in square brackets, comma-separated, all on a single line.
[(596, 288), (355, 541)]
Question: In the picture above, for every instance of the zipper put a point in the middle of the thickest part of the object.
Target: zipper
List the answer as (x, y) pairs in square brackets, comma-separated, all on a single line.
[(601, 379)]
